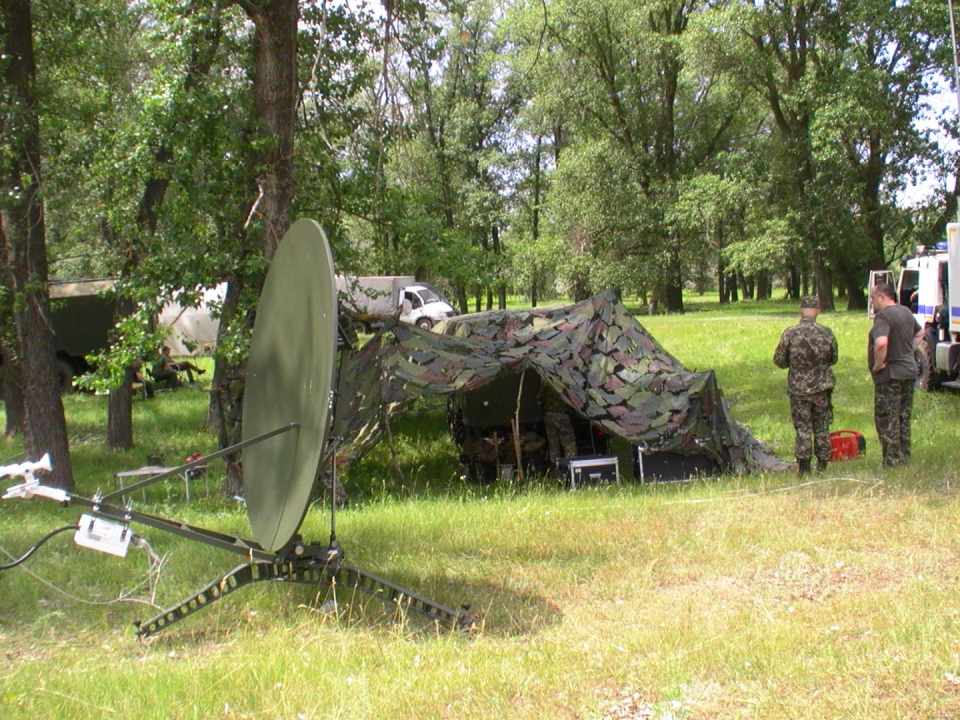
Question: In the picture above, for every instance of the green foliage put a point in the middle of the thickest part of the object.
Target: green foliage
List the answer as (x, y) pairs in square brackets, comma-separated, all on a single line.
[(656, 141)]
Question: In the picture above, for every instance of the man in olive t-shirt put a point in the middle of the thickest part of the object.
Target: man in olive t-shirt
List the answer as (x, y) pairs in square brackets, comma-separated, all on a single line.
[(890, 353)]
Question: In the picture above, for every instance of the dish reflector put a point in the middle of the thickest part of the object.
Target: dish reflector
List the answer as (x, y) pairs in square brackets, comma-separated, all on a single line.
[(289, 379)]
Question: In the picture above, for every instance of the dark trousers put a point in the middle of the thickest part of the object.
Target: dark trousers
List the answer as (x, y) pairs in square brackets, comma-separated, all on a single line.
[(812, 415), (561, 439), (892, 407), (167, 378)]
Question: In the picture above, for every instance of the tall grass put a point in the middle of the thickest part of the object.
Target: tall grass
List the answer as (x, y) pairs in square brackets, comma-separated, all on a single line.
[(745, 597)]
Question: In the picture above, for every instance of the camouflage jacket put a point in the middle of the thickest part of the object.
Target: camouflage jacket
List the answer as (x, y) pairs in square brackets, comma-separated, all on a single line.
[(809, 350)]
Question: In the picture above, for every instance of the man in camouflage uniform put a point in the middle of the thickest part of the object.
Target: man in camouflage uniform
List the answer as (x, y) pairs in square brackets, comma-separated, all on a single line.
[(890, 353), (808, 350), (561, 438)]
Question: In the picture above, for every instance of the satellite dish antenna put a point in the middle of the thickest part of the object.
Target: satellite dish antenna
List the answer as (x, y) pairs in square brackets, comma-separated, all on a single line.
[(286, 413), (289, 379)]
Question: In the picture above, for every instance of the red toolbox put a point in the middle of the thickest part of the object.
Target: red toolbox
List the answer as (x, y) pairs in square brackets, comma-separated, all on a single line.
[(847, 444)]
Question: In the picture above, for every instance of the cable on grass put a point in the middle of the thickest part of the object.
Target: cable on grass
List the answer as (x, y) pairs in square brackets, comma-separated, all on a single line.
[(32, 550), (152, 579), (758, 493)]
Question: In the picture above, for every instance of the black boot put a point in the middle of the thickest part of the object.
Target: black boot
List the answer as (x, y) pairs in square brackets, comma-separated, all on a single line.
[(803, 467), (822, 465)]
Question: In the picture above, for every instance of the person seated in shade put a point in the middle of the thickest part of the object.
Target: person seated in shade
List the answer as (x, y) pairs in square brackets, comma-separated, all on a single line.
[(165, 370), (139, 381)]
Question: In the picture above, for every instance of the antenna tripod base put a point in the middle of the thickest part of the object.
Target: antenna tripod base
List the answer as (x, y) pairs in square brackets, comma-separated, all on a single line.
[(308, 572)]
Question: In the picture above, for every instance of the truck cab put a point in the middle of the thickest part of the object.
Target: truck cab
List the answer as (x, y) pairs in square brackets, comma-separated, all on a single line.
[(424, 306)]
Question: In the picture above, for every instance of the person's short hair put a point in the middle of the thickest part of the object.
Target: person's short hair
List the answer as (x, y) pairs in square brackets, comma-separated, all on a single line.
[(165, 349), (884, 289), (809, 302)]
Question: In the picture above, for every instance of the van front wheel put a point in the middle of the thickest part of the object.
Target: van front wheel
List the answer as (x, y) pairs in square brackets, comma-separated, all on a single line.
[(928, 377), (424, 323)]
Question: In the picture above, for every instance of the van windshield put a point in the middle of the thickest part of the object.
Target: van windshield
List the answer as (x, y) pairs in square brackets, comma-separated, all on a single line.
[(429, 295)]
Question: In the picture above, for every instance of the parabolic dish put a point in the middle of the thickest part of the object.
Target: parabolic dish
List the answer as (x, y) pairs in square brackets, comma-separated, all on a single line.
[(289, 379)]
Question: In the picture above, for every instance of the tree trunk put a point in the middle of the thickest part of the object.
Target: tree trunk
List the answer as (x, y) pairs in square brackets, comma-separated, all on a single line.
[(224, 415), (498, 251), (732, 286), (824, 282), (22, 223), (793, 284), (579, 287), (463, 302), (764, 286), (120, 401), (537, 190), (120, 415), (673, 289), (856, 299), (721, 281), (11, 383), (224, 373), (275, 95), (11, 389), (673, 297)]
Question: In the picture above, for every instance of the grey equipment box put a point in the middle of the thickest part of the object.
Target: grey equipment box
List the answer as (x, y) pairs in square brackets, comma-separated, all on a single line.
[(588, 470), (662, 465)]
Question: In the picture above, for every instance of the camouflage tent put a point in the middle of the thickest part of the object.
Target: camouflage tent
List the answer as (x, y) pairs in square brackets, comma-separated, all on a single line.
[(596, 355)]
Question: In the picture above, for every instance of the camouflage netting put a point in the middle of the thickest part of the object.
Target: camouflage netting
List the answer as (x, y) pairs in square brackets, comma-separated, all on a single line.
[(600, 360)]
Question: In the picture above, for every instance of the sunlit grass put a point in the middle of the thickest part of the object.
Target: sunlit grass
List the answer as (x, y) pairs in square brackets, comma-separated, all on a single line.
[(744, 597)]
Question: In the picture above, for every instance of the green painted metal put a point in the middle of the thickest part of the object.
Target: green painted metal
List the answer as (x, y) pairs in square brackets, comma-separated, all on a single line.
[(289, 378)]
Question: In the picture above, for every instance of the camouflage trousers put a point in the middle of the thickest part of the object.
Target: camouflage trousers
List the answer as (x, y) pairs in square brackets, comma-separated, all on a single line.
[(561, 440), (812, 415), (892, 407)]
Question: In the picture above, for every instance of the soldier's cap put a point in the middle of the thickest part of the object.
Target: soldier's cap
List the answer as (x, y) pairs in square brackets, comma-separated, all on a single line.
[(810, 302)]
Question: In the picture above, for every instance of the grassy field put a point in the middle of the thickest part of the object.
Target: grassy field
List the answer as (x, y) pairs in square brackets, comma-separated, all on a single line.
[(762, 596)]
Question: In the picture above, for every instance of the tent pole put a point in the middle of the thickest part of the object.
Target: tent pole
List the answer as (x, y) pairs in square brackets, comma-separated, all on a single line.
[(516, 431), (393, 447)]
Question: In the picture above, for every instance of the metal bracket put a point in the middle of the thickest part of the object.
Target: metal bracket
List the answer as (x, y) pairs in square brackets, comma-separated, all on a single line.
[(308, 573)]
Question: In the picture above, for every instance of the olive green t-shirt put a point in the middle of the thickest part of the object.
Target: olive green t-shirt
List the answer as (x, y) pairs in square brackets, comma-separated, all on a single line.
[(899, 326)]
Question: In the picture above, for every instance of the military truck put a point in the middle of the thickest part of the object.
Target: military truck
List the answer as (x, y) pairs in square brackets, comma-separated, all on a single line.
[(369, 300), (929, 284), (81, 317), (82, 314)]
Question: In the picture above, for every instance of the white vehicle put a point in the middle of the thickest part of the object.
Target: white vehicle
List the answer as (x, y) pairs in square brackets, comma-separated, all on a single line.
[(193, 330), (929, 284), (371, 299)]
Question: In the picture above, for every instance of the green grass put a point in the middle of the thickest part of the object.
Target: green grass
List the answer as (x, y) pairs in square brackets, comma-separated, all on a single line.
[(744, 597)]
